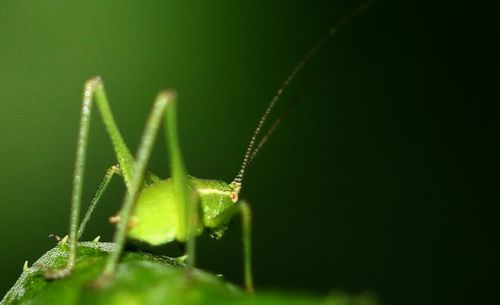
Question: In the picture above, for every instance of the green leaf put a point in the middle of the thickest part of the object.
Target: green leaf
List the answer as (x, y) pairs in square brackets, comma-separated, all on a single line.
[(141, 279)]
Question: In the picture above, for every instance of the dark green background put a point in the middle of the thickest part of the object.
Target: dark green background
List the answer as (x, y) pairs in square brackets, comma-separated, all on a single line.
[(384, 177)]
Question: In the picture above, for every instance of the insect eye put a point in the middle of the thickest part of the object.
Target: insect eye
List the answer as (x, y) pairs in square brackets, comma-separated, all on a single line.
[(234, 196)]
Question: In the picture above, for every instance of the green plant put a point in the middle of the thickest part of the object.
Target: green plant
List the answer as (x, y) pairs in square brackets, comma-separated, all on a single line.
[(142, 279)]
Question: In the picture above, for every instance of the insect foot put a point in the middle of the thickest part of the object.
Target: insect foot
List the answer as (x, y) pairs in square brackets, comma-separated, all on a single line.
[(116, 220), (56, 237), (102, 281), (181, 260), (57, 273)]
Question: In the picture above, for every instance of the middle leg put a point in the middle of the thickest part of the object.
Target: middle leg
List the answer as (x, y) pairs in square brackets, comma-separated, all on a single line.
[(115, 169)]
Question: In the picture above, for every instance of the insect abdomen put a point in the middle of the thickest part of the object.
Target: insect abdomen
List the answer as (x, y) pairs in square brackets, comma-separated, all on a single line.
[(155, 217)]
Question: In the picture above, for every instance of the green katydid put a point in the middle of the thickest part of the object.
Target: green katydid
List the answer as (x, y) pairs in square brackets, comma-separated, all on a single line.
[(158, 211)]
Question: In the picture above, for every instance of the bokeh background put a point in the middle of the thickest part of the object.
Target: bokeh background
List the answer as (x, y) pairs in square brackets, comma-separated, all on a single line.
[(382, 178)]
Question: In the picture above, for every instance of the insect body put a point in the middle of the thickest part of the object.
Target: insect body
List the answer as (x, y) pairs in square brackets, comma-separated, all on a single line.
[(155, 220), (159, 211)]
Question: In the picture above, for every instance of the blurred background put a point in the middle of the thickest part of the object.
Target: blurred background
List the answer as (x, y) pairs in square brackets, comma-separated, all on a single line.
[(382, 178)]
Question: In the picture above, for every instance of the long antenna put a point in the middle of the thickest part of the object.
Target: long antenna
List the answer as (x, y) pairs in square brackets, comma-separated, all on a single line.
[(250, 153), (266, 137), (276, 124)]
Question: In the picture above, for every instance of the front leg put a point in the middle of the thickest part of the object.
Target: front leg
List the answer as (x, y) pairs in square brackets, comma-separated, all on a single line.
[(242, 208), (246, 229)]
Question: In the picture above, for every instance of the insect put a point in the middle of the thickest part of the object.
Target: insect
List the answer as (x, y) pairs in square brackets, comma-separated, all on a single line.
[(158, 211)]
